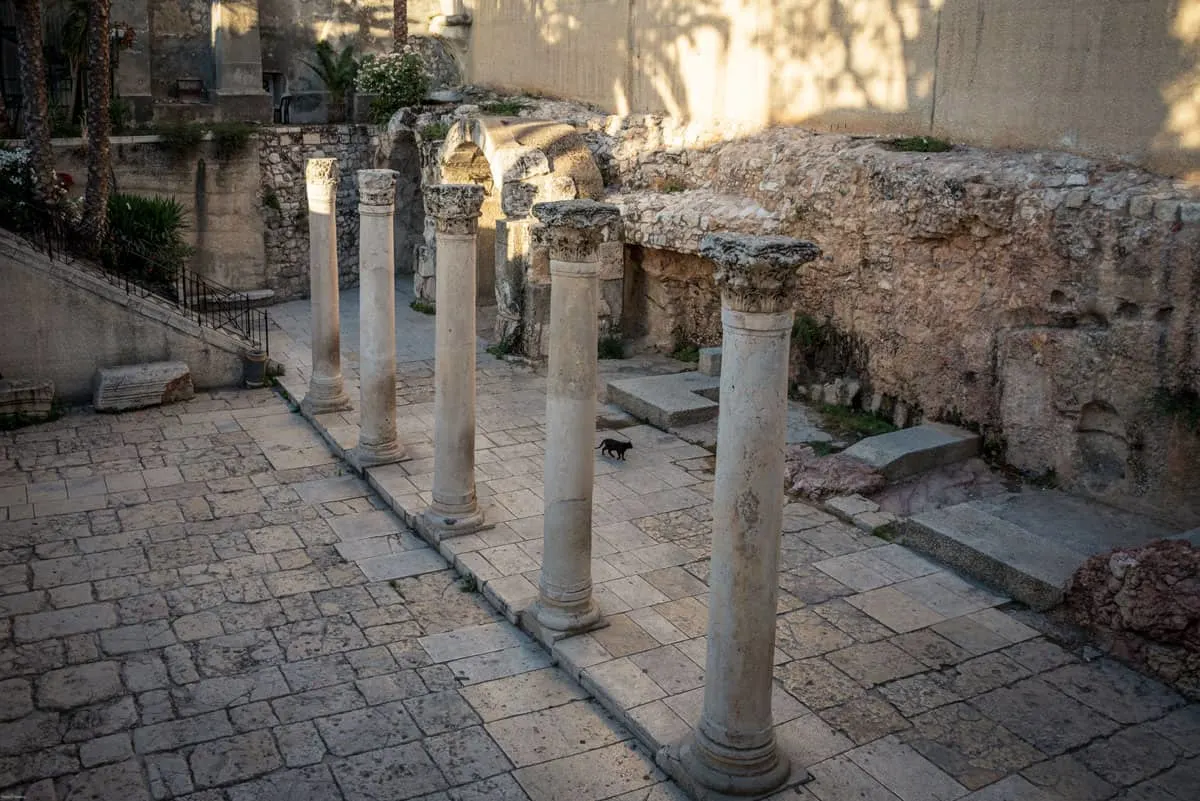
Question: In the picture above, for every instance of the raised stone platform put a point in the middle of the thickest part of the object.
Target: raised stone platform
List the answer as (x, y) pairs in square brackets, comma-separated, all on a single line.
[(914, 450), (136, 386), (667, 401), (33, 400), (1028, 544)]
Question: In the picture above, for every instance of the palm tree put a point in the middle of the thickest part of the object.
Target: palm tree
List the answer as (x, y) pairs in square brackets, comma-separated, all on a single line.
[(399, 25), (37, 104), (337, 72), (99, 124)]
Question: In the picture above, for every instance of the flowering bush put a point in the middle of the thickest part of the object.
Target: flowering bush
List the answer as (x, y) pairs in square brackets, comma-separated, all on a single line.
[(396, 79)]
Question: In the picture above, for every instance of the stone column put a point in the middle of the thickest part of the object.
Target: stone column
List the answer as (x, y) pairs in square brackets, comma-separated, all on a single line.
[(325, 390), (733, 750), (574, 231), (377, 439), (455, 211)]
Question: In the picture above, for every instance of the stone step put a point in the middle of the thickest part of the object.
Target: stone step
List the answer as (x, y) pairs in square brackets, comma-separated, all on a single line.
[(914, 450), (1028, 544), (667, 401), (135, 386)]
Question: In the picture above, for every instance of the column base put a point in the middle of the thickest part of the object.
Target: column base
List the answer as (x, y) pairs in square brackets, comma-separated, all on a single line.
[(549, 622), (704, 781), (324, 403), (443, 525), (362, 457)]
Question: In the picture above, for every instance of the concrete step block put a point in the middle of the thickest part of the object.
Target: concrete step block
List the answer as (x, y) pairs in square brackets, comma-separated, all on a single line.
[(136, 386), (668, 401), (914, 450), (1028, 567)]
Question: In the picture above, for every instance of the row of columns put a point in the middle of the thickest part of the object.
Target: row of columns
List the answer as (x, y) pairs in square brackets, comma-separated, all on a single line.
[(732, 749)]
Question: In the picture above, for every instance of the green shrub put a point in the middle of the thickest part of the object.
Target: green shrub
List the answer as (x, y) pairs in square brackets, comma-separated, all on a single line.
[(422, 306), (120, 113), (503, 108), (229, 138), (506, 345), (610, 347), (147, 238), (687, 353), (397, 80), (919, 144), (338, 72), (16, 188), (180, 139), (435, 131)]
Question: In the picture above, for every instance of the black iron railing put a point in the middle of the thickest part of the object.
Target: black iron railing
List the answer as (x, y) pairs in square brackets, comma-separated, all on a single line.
[(138, 272)]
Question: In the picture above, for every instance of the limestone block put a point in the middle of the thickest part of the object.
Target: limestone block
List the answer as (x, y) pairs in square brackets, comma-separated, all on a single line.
[(136, 386), (31, 399), (612, 296), (612, 261), (710, 361)]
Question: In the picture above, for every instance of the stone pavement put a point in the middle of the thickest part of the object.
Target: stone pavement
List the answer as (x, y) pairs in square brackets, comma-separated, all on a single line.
[(199, 601), (177, 620)]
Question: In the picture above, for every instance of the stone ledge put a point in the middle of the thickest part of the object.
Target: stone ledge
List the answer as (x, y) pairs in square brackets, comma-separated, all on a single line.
[(677, 221)]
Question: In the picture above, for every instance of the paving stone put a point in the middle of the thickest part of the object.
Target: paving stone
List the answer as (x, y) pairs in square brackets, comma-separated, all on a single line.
[(313, 782), (984, 673), (236, 653), (78, 686), (629, 685), (169, 775), (1181, 727), (321, 671), (248, 717), (816, 683), (1129, 756), (803, 633), (178, 733), (393, 686), (316, 703), (299, 744), (1011, 788), (55, 761), (64, 622), (839, 778), (361, 730), (968, 746), (155, 707), (466, 755), (602, 773), (123, 780), (1044, 717), (875, 662), (401, 772), (866, 718), (554, 733), (622, 637), (526, 692), (139, 637), (897, 611), (1039, 656), (498, 664), (1069, 779), (440, 712), (905, 772), (89, 722), (16, 699), (234, 759), (497, 788), (103, 750), (1115, 690), (971, 635), (808, 740)]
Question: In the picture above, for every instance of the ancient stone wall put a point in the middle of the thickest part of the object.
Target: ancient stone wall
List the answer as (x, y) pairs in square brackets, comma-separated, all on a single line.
[(283, 152), (1051, 300)]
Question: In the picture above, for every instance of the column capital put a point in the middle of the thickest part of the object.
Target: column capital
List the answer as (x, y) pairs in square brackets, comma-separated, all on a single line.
[(321, 172), (575, 229), (757, 274), (377, 188), (454, 207)]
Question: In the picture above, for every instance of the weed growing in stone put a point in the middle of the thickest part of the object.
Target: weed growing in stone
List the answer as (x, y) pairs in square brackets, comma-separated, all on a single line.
[(422, 306), (271, 200), (919, 144), (610, 347), (687, 353), (503, 108), (505, 346), (468, 584), (435, 131), (180, 139), (847, 421), (230, 138)]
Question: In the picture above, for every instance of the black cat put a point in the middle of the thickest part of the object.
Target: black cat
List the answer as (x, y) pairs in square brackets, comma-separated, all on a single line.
[(614, 447)]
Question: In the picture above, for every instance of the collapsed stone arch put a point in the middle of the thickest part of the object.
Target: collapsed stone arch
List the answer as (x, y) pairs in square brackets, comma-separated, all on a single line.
[(518, 162)]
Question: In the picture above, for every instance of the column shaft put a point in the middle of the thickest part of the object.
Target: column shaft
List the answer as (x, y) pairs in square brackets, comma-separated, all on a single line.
[(454, 509), (326, 392), (377, 439)]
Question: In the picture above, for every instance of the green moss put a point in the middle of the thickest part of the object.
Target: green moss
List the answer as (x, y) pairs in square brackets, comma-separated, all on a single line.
[(844, 420), (422, 306), (919, 144)]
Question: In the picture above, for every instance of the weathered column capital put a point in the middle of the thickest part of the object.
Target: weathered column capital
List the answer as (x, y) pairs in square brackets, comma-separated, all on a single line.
[(321, 182), (454, 207), (575, 229), (376, 191), (757, 274)]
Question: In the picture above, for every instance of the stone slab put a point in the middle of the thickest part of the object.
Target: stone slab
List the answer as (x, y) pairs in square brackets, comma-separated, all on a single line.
[(1027, 544), (136, 386), (666, 401), (914, 450), (710, 361), (29, 399)]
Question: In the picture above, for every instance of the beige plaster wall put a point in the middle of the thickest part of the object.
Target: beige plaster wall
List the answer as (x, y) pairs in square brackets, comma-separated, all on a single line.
[(60, 324), (1104, 77), (221, 197)]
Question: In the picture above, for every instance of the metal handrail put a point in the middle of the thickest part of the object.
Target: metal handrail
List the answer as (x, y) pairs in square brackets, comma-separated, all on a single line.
[(140, 273)]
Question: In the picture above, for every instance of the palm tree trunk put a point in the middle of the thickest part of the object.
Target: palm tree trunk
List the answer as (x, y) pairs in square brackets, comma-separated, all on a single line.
[(4, 121), (399, 25), (37, 104), (99, 124)]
